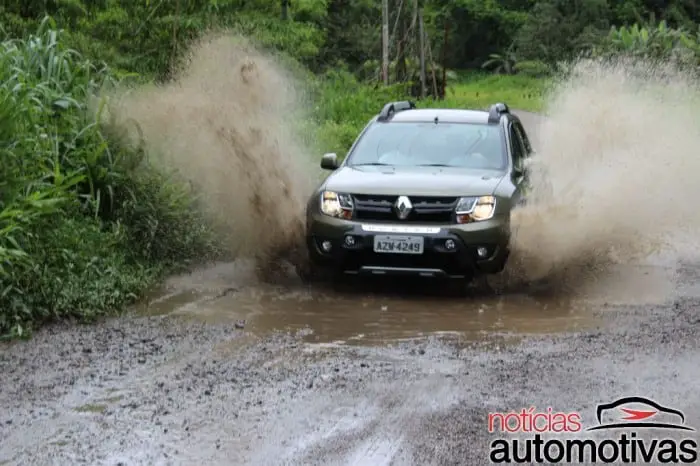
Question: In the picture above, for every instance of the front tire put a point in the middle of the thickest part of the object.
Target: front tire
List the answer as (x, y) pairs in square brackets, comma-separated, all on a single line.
[(308, 273), (503, 261), (482, 286), (312, 273)]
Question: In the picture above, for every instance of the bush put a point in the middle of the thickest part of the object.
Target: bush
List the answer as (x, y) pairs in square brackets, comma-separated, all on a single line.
[(344, 106), (73, 204), (653, 41)]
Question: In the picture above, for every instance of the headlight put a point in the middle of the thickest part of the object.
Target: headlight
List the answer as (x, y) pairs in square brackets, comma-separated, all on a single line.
[(336, 204), (475, 209)]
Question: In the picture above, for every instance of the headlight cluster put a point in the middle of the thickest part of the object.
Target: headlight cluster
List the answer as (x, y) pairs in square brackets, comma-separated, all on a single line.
[(468, 210), (336, 204), (475, 209)]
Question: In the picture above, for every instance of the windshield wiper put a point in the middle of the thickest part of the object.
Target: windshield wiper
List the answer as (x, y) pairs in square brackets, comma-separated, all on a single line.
[(434, 165)]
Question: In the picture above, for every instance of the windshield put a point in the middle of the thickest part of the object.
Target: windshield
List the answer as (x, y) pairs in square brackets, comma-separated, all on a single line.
[(463, 145)]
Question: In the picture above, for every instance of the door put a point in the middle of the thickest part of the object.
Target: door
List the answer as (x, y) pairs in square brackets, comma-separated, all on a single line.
[(519, 153), (527, 152), (523, 136)]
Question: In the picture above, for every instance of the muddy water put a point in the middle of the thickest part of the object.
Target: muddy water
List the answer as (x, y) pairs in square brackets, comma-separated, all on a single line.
[(369, 313), (365, 316), (356, 317)]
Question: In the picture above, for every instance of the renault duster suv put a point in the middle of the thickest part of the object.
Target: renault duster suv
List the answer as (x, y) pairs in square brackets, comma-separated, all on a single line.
[(425, 192)]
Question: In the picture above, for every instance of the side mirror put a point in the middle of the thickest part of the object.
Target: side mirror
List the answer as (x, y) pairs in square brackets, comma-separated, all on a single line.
[(329, 161)]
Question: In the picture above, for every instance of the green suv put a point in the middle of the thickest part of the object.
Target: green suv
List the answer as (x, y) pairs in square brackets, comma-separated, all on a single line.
[(424, 192)]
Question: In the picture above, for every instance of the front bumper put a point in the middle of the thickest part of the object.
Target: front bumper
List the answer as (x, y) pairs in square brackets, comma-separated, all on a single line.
[(463, 261)]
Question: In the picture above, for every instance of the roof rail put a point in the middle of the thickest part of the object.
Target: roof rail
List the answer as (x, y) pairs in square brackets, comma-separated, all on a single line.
[(391, 108), (496, 111)]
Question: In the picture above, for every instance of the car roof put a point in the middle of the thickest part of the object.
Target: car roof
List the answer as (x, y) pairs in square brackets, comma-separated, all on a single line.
[(428, 115)]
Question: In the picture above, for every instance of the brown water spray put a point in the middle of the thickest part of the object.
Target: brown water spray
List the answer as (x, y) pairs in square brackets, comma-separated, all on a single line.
[(616, 172), (226, 123)]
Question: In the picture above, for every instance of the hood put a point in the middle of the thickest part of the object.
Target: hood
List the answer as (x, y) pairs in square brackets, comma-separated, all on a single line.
[(414, 181)]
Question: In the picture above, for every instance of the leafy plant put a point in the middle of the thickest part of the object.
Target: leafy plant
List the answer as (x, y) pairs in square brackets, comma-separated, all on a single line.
[(68, 221), (503, 63), (653, 41)]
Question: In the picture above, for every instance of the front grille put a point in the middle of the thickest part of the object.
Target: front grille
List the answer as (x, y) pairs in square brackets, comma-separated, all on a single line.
[(426, 209)]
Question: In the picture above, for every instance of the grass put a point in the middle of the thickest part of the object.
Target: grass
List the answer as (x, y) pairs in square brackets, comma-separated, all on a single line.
[(519, 92), (344, 105), (86, 225)]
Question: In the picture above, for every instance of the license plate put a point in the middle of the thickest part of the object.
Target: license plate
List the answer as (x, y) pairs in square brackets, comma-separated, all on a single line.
[(398, 244)]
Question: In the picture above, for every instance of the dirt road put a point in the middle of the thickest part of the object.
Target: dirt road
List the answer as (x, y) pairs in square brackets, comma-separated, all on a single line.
[(363, 376)]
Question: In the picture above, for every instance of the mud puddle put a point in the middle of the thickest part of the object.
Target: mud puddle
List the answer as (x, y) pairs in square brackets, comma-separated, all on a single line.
[(372, 313), (346, 317)]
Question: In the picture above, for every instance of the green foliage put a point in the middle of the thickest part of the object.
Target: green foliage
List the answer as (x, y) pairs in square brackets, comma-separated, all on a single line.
[(505, 62), (73, 205), (73, 267), (555, 31), (302, 40), (477, 90), (345, 106), (654, 41), (147, 37)]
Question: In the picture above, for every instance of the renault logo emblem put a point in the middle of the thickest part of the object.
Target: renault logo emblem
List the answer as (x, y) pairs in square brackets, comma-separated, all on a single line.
[(403, 207)]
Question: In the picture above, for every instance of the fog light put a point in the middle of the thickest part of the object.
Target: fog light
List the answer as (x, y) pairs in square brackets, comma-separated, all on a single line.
[(482, 252), (350, 240), (450, 244), (326, 246)]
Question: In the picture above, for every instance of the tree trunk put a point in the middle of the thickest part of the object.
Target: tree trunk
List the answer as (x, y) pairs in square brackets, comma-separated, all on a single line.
[(401, 71)]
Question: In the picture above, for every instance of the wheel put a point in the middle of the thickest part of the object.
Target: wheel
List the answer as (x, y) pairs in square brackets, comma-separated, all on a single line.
[(311, 273), (502, 262), (459, 287), (308, 272), (482, 286)]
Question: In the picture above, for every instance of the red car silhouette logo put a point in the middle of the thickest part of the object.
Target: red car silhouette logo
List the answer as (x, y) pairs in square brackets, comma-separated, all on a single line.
[(638, 417)]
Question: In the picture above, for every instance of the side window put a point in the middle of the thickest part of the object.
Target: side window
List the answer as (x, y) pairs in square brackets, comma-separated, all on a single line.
[(523, 136), (518, 148)]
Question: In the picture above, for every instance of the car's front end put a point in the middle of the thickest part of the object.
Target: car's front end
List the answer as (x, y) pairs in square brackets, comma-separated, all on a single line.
[(439, 236)]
